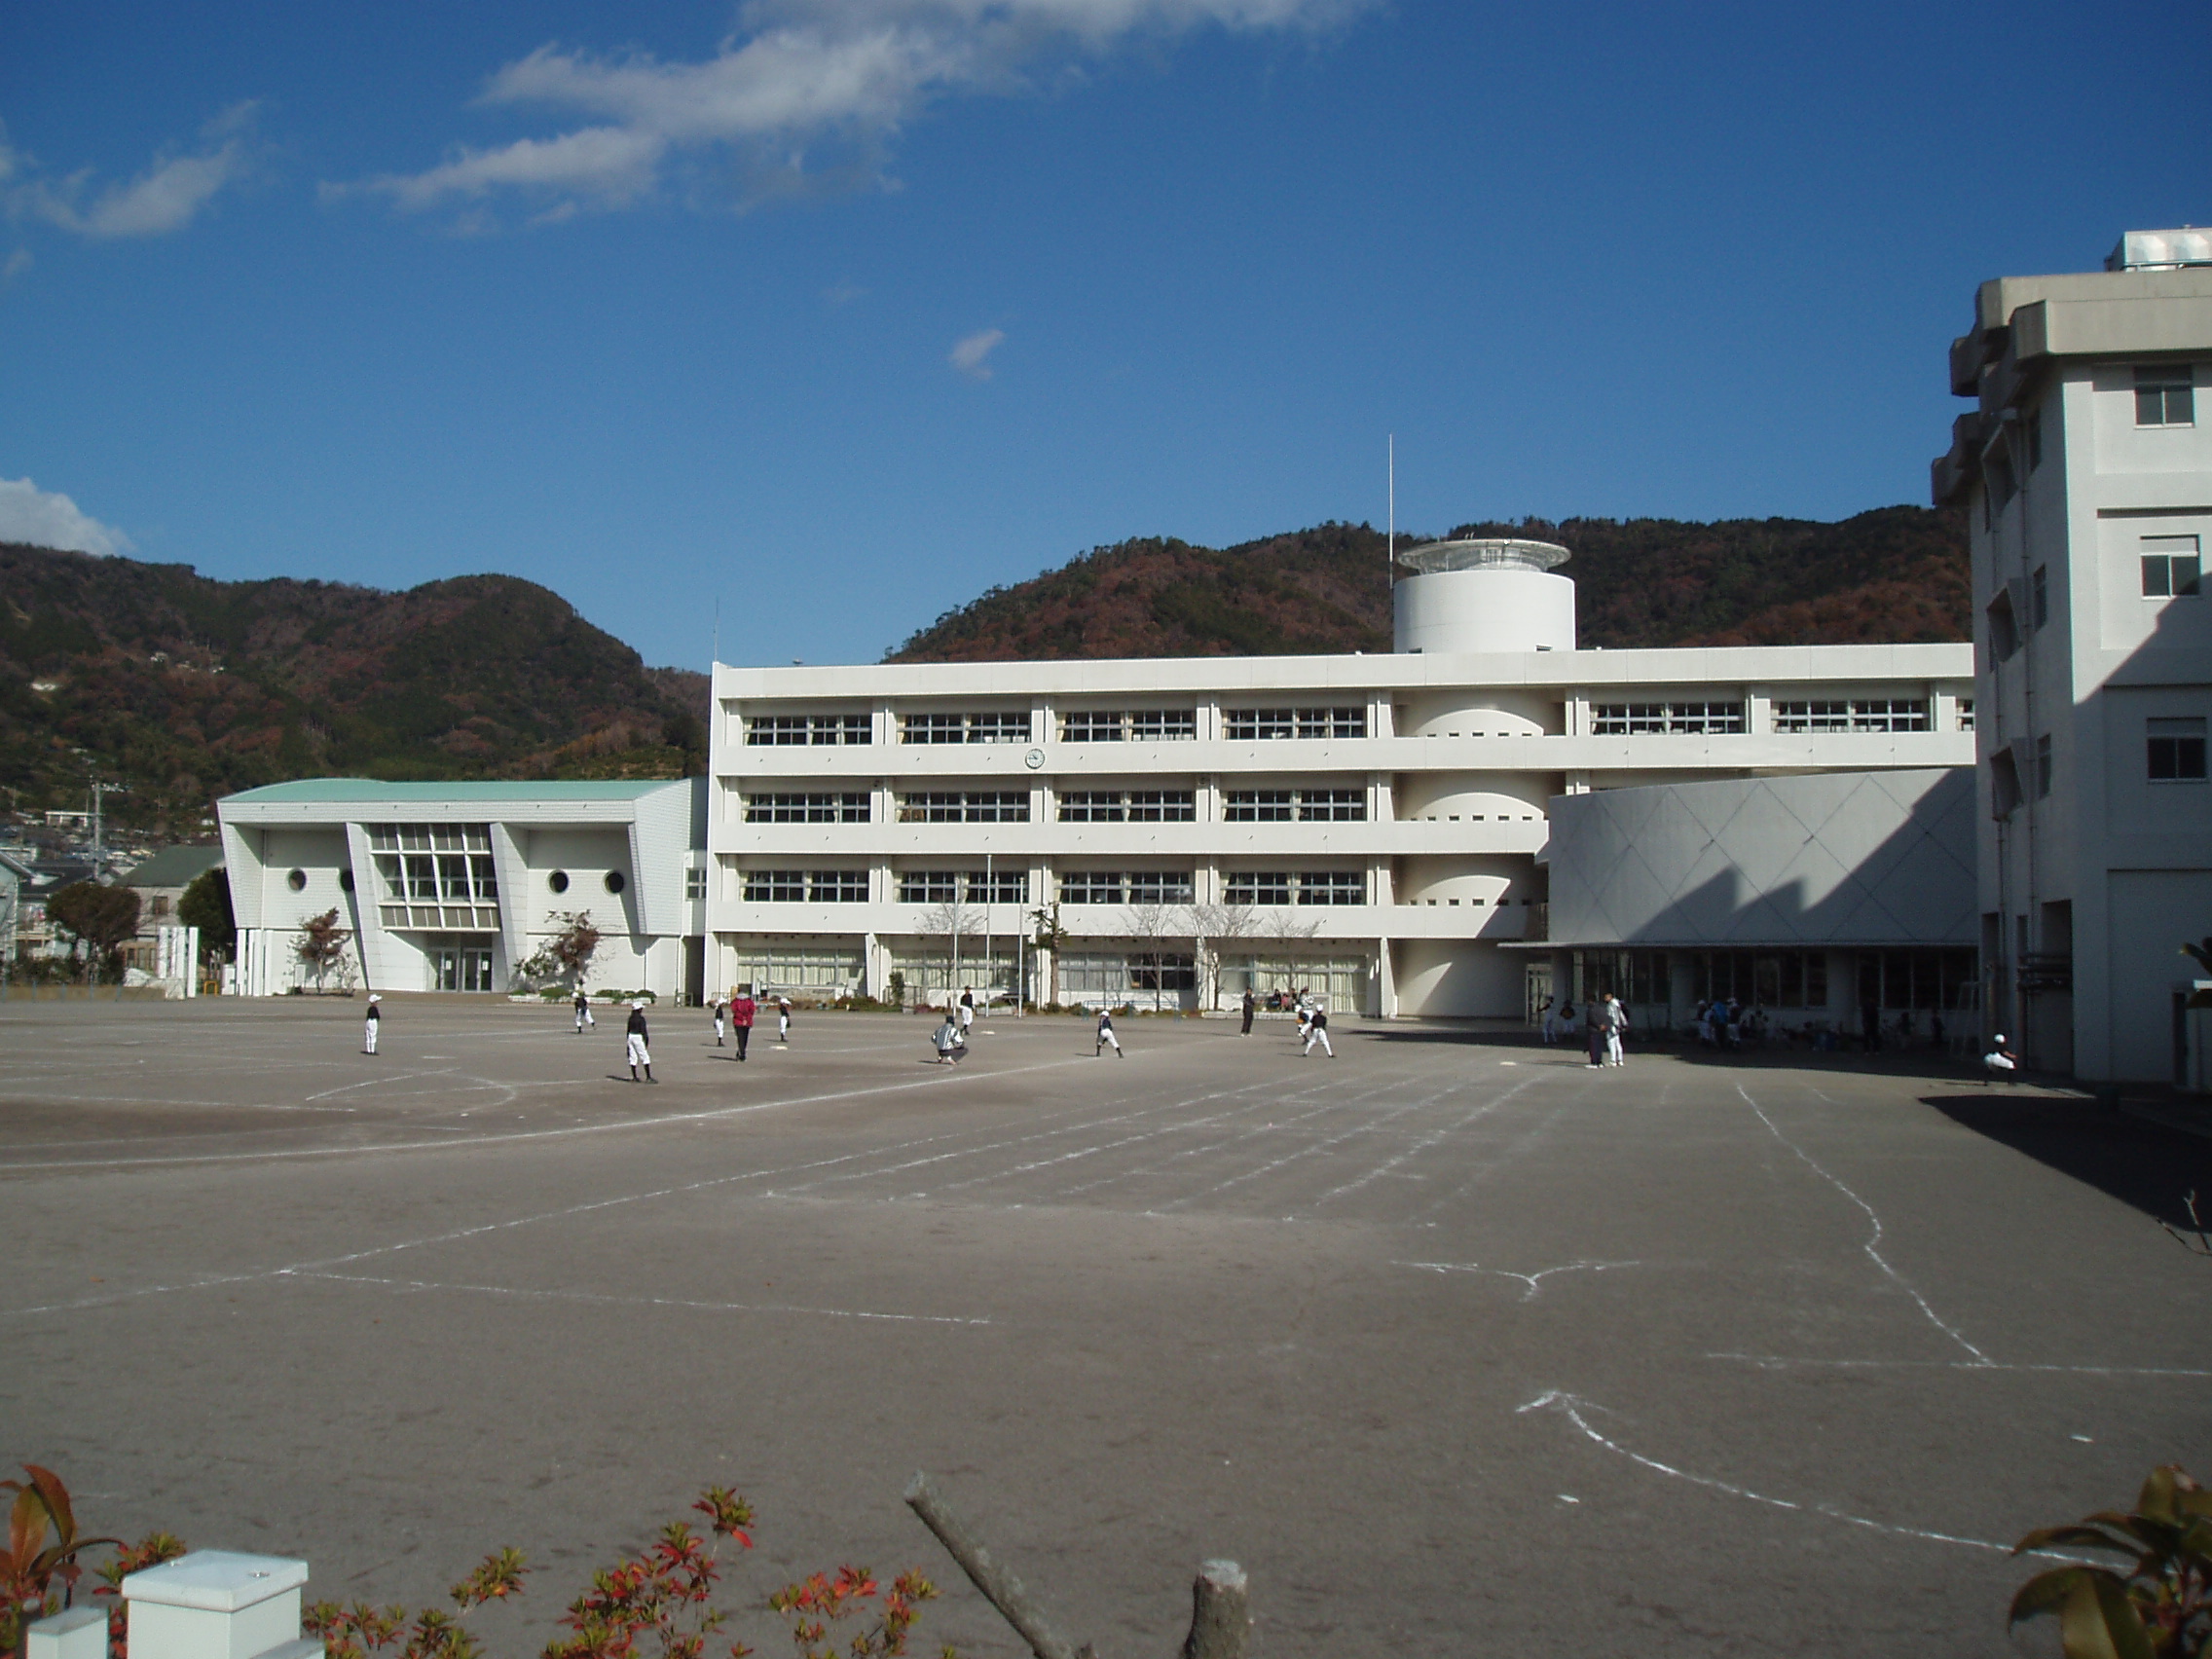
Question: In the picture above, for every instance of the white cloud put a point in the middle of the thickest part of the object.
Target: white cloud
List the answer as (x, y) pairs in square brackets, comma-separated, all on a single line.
[(799, 76), (970, 355), (45, 518), (167, 197)]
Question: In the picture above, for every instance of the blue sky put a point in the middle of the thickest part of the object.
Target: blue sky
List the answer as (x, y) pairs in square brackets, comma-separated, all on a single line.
[(839, 311)]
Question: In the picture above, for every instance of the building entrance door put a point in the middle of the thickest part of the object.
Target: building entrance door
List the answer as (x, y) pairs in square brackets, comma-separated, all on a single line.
[(461, 968)]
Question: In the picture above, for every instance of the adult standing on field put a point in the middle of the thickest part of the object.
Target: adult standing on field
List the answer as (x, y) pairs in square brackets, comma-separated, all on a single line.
[(741, 1009), (1617, 1026), (634, 1042), (374, 1020), (1251, 1003)]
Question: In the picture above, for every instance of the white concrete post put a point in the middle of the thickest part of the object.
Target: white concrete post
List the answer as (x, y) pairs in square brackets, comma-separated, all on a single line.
[(218, 1605), (80, 1633)]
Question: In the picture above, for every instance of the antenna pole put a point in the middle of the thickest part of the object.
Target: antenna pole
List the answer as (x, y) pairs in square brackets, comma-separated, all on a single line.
[(718, 655), (1392, 554)]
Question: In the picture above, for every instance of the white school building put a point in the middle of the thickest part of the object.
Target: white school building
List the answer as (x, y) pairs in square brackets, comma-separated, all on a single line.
[(1373, 828), (452, 886)]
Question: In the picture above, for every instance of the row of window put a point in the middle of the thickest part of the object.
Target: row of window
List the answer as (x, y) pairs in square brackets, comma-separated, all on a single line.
[(460, 876), (429, 838), (1078, 806), (1077, 725), (2175, 568), (1076, 887)]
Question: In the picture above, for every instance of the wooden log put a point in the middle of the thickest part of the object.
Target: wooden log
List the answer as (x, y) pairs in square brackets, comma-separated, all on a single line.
[(1221, 1614), (1000, 1587)]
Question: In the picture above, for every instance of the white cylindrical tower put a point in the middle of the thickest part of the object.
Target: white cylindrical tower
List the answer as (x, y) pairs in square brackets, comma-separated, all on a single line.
[(1483, 596)]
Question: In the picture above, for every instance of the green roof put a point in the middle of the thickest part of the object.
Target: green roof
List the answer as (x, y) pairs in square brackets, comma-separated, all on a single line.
[(175, 866), (371, 790)]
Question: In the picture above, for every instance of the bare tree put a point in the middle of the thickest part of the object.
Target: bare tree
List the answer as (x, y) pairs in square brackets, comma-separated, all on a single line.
[(1050, 937), (1286, 932), (950, 921), (1219, 928), (1153, 926)]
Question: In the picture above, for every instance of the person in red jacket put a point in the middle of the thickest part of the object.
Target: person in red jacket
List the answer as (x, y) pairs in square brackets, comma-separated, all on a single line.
[(741, 1018)]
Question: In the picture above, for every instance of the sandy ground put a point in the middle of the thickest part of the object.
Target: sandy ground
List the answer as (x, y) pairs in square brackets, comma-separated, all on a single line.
[(1456, 1345)]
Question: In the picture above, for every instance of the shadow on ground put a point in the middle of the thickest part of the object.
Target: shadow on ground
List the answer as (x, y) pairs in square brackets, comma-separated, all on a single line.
[(2153, 1169)]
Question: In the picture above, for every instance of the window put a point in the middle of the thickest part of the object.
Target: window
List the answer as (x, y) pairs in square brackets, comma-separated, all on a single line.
[(1159, 886), (1790, 979), (1628, 720), (431, 837), (1259, 887), (694, 884), (2177, 750), (1306, 806), (850, 808), (1332, 887), (999, 727), (974, 886), (1304, 887), (2171, 567), (1128, 806), (1853, 714), (1136, 726), (789, 731), (969, 806), (1090, 887), (2039, 597), (1247, 726), (2164, 395), (1966, 714), (799, 886), (2042, 767)]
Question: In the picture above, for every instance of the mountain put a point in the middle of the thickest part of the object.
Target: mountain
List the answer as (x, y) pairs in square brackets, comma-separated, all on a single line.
[(184, 688), (1895, 573)]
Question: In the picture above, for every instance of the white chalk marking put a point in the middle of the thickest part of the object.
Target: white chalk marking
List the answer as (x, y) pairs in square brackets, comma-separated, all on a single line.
[(1533, 1281), (1785, 1362), (1874, 1238), (636, 1301)]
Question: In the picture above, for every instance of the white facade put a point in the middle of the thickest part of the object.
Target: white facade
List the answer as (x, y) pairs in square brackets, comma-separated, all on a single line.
[(452, 886), (2086, 471), (1371, 827)]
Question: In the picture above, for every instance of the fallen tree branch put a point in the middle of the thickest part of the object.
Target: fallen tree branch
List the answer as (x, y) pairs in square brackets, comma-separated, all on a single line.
[(999, 1586)]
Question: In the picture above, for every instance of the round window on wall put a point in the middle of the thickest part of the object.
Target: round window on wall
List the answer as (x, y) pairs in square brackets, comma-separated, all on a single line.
[(297, 881), (613, 882), (558, 881), (345, 881)]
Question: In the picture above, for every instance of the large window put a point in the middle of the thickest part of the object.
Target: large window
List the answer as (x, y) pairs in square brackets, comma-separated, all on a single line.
[(2172, 567), (1284, 806), (971, 886), (848, 808), (1789, 979), (2176, 751), (436, 875), (965, 806), (1126, 887), (806, 886), (1128, 806), (1854, 714), (788, 731), (1691, 719), (1296, 887), (2164, 395), (965, 726), (1245, 725), (1133, 725)]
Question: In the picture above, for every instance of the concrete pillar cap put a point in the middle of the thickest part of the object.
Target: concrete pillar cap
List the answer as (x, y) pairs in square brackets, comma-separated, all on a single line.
[(215, 1581)]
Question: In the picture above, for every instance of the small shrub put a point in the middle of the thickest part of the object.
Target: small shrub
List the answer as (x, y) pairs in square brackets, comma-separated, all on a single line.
[(2163, 1607)]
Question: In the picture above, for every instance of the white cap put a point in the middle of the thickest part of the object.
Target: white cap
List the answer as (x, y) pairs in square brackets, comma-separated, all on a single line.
[(637, 1004), (373, 997), (2001, 1037)]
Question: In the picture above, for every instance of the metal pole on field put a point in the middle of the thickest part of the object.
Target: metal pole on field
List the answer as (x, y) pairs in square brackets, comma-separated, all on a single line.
[(990, 892)]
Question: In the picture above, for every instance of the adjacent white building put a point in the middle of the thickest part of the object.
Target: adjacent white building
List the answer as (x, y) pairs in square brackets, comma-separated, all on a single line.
[(2085, 469), (451, 886), (1370, 827)]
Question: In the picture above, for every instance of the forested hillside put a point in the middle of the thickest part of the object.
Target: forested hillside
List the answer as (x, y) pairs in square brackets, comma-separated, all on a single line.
[(184, 688), (1897, 573)]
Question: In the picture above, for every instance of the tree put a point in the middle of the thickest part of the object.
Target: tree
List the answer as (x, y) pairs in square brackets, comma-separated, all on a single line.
[(1153, 926), (99, 917), (1219, 927), (322, 943), (566, 955), (1286, 932), (1049, 937), (207, 906), (949, 922)]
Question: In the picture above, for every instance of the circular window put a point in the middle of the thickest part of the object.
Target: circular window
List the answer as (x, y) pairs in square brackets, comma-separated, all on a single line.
[(297, 881), (558, 881), (345, 881), (613, 882)]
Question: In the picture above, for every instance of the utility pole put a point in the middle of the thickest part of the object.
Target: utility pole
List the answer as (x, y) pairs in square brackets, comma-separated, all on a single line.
[(100, 792)]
